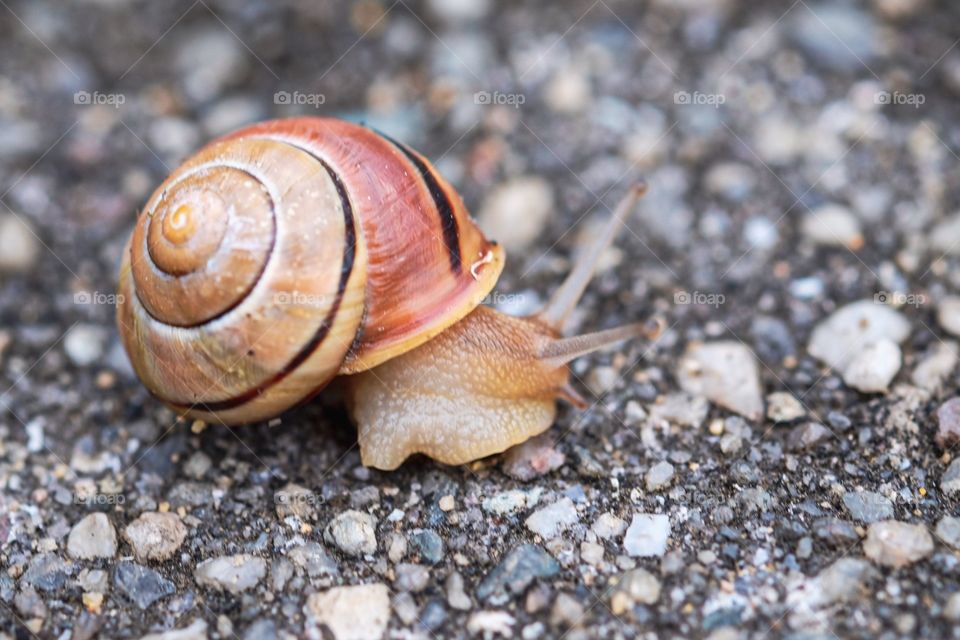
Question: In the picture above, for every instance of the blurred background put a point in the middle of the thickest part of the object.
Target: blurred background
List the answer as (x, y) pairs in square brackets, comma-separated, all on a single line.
[(800, 155)]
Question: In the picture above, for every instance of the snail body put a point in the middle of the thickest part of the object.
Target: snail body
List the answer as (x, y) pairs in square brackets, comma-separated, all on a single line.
[(293, 251)]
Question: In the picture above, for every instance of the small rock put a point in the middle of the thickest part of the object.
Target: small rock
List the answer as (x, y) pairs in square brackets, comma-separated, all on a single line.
[(235, 573), (951, 609), (353, 532), (29, 603), (47, 572), (554, 519), (396, 547), (142, 585), (314, 559), (567, 611), (647, 535), (725, 373), (533, 458), (839, 36), (948, 420), (807, 436), (842, 581), (524, 564), (872, 370), (516, 212), (948, 314), (294, 500), (210, 61), (897, 544), (490, 623), (85, 344), (840, 338), (783, 407), (197, 630), (457, 598), (411, 577), (510, 501), (92, 537), (948, 531), (197, 465), (568, 91), (405, 606), (428, 544), (833, 225), (358, 612), (681, 409), (950, 482), (835, 531), (635, 586), (608, 526), (934, 369), (867, 506), (19, 245), (155, 536), (659, 475)]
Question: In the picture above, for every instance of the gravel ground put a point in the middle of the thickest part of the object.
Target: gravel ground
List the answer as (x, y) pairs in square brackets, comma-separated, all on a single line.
[(779, 463)]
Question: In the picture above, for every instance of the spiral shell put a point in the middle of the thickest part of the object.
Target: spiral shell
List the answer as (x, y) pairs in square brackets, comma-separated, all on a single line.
[(287, 253)]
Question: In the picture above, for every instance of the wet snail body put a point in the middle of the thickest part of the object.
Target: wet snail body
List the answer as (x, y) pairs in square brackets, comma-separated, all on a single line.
[(297, 250)]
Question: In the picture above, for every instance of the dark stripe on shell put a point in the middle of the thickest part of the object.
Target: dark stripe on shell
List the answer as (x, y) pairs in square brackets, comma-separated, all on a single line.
[(448, 221)]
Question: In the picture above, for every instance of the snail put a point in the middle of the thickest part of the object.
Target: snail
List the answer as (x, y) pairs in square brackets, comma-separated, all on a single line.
[(297, 250)]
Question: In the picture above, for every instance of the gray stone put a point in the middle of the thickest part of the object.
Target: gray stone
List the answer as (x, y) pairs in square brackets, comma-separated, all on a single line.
[(647, 535), (196, 630), (867, 506), (295, 500), (517, 211), (681, 409), (411, 577), (531, 459), (659, 476), (635, 586), (950, 481), (235, 573), (840, 338), (948, 314), (457, 598), (608, 526), (92, 537), (47, 572), (85, 344), (783, 407), (725, 373), (314, 559), (428, 544), (874, 367), (517, 570), (155, 536), (935, 367), (353, 532), (142, 585), (359, 612), (552, 520), (948, 531), (833, 225), (897, 544), (19, 246), (948, 423)]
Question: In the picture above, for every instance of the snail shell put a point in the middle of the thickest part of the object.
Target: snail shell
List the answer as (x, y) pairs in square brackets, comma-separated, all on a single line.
[(287, 253)]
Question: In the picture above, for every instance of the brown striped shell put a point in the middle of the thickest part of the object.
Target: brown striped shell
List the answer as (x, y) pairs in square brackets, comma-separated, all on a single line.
[(287, 253)]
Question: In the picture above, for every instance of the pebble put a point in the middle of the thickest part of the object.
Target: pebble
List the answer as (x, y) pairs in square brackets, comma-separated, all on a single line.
[(516, 212), (725, 373), (534, 458), (867, 506), (842, 581), (838, 36), (948, 531), (647, 535), (681, 409), (47, 572), (295, 500), (19, 247), (456, 11), (353, 532), (659, 476), (874, 367), (554, 519), (567, 612), (847, 331), (196, 630), (314, 559), (897, 544), (155, 536), (634, 586), (951, 609), (359, 612), (85, 344), (411, 577), (490, 623), (935, 367), (807, 436), (833, 225), (948, 314), (948, 423), (568, 91), (428, 544), (950, 481), (511, 501), (784, 407), (92, 537), (142, 585), (518, 569), (457, 598), (608, 526), (235, 573), (944, 237)]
